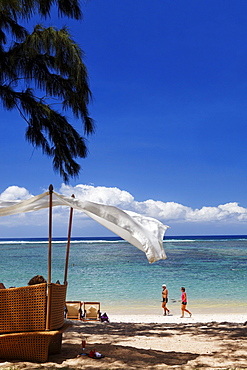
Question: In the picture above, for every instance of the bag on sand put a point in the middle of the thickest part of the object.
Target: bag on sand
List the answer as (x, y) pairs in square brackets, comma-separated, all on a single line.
[(104, 318)]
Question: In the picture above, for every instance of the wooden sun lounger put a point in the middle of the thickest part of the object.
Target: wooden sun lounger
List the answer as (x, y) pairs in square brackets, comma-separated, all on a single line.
[(74, 310), (91, 311)]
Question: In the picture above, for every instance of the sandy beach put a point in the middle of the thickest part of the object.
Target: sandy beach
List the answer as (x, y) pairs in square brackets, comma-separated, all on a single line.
[(210, 341)]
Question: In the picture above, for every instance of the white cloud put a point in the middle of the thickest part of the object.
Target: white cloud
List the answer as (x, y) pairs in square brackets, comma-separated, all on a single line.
[(166, 212), (100, 194), (224, 212), (15, 193), (162, 210)]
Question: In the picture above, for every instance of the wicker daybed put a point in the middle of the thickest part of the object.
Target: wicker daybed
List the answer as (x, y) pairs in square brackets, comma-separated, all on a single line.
[(25, 308), (33, 346), (32, 317)]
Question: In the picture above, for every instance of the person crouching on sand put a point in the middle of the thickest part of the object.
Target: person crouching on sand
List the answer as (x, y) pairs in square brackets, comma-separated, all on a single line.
[(184, 303), (165, 299)]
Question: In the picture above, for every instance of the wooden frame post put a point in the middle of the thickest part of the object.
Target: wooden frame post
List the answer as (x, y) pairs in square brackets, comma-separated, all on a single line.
[(48, 310), (68, 244)]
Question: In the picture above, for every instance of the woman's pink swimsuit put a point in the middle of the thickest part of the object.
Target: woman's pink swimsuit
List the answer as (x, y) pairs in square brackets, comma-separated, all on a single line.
[(184, 298)]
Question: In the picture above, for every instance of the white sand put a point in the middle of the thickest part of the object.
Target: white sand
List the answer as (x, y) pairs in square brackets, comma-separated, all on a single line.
[(196, 318), (153, 342)]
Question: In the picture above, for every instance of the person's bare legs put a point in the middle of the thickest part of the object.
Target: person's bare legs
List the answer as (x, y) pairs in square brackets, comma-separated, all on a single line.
[(183, 309), (165, 308)]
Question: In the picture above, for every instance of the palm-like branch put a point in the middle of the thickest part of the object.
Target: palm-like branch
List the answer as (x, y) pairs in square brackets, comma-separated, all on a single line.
[(28, 8), (49, 63)]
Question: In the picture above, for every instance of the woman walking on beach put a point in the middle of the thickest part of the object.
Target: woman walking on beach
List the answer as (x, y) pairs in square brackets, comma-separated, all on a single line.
[(165, 299), (184, 303)]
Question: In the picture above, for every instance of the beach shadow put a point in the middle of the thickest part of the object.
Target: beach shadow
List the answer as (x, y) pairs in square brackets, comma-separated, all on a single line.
[(125, 329), (126, 346), (215, 329), (126, 357)]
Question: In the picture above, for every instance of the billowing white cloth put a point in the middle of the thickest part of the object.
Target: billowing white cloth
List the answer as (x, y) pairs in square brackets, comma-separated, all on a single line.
[(145, 233)]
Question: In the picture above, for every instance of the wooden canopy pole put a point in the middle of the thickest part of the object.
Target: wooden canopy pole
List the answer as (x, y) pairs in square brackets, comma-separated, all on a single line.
[(50, 233), (68, 244), (48, 310)]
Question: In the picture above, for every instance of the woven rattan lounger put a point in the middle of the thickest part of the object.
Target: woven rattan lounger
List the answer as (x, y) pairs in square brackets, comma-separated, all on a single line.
[(32, 346), (25, 308)]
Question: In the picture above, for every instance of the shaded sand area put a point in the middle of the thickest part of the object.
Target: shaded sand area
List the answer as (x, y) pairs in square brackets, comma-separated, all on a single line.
[(152, 343)]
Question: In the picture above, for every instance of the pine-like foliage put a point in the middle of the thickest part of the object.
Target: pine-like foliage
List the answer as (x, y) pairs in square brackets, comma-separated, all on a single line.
[(42, 70)]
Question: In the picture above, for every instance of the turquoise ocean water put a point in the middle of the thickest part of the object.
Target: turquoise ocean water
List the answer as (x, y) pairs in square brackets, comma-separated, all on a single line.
[(109, 270)]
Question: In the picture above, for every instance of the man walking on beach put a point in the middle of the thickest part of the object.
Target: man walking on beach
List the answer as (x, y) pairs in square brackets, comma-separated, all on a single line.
[(165, 299)]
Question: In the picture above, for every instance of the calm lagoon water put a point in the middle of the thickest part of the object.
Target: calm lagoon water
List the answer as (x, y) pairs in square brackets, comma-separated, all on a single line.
[(213, 270)]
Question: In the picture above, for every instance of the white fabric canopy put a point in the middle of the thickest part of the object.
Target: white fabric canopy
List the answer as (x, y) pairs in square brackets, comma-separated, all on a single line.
[(145, 233)]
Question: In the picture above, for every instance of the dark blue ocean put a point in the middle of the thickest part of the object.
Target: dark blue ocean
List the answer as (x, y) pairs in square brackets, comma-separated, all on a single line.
[(212, 268)]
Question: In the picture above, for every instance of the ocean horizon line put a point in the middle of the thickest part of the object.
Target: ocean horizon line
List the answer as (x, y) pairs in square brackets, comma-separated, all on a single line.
[(117, 238), (112, 239)]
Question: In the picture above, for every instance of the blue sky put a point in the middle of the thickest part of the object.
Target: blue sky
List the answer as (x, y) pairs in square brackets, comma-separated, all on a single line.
[(169, 81)]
